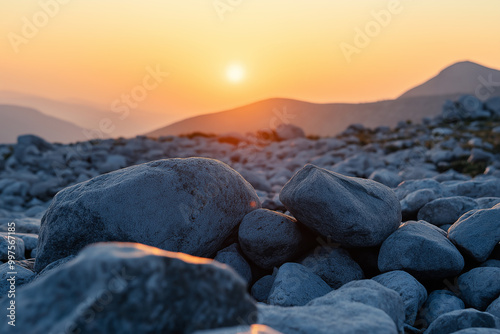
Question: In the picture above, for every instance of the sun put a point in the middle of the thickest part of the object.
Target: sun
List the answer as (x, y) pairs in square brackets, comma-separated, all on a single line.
[(235, 73)]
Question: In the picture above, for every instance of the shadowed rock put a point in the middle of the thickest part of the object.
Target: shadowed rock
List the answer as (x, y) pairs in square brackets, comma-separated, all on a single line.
[(133, 288), (185, 205), (352, 211)]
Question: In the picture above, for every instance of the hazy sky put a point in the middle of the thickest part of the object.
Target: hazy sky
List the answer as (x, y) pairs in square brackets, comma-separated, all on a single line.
[(311, 50)]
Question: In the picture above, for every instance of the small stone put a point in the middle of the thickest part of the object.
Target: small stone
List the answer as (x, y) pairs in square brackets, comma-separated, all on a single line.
[(422, 250), (295, 285), (270, 238), (411, 291), (480, 286), (477, 233)]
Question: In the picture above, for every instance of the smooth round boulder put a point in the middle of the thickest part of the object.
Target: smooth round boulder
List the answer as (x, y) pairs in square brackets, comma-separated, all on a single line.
[(422, 250), (438, 303), (341, 318), (134, 288), (370, 293), (454, 321), (411, 291), (352, 211), (184, 205), (447, 210), (478, 233), (295, 285), (416, 200), (479, 286), (334, 265), (270, 238)]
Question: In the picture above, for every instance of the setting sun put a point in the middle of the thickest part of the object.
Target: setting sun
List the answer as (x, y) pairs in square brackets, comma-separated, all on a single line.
[(235, 73)]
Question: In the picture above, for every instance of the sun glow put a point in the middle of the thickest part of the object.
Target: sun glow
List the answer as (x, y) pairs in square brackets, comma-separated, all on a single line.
[(235, 73)]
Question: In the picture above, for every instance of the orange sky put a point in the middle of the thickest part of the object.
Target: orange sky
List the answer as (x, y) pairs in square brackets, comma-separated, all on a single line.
[(96, 51)]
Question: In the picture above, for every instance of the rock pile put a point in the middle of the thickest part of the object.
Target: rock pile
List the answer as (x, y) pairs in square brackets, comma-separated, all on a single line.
[(375, 231)]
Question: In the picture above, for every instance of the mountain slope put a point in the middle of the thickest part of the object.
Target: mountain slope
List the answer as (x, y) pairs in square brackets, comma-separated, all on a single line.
[(315, 119), (460, 78), (329, 119), (16, 120), (86, 115)]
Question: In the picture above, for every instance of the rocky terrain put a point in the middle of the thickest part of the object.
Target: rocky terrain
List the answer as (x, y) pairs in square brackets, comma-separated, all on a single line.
[(385, 230)]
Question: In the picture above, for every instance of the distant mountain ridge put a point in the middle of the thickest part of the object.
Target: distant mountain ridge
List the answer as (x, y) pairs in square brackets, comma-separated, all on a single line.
[(425, 100), (86, 115), (16, 120), (326, 119), (313, 118)]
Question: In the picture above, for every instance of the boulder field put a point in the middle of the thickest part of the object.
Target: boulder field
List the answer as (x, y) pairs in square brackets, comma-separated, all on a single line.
[(373, 231)]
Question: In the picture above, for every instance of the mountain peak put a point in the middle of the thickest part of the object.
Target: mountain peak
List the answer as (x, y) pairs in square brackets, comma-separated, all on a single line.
[(463, 77)]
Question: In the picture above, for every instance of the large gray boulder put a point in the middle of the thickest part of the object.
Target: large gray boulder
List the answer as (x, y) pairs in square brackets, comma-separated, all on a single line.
[(334, 265), (478, 233), (352, 211), (411, 291), (295, 285), (422, 250), (438, 303), (447, 210), (133, 288), (184, 205), (270, 238), (370, 293), (341, 318), (462, 319), (480, 286)]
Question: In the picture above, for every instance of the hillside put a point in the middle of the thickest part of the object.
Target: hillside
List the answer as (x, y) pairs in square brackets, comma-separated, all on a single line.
[(463, 77), (425, 100), (315, 119), (18, 120), (86, 115)]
